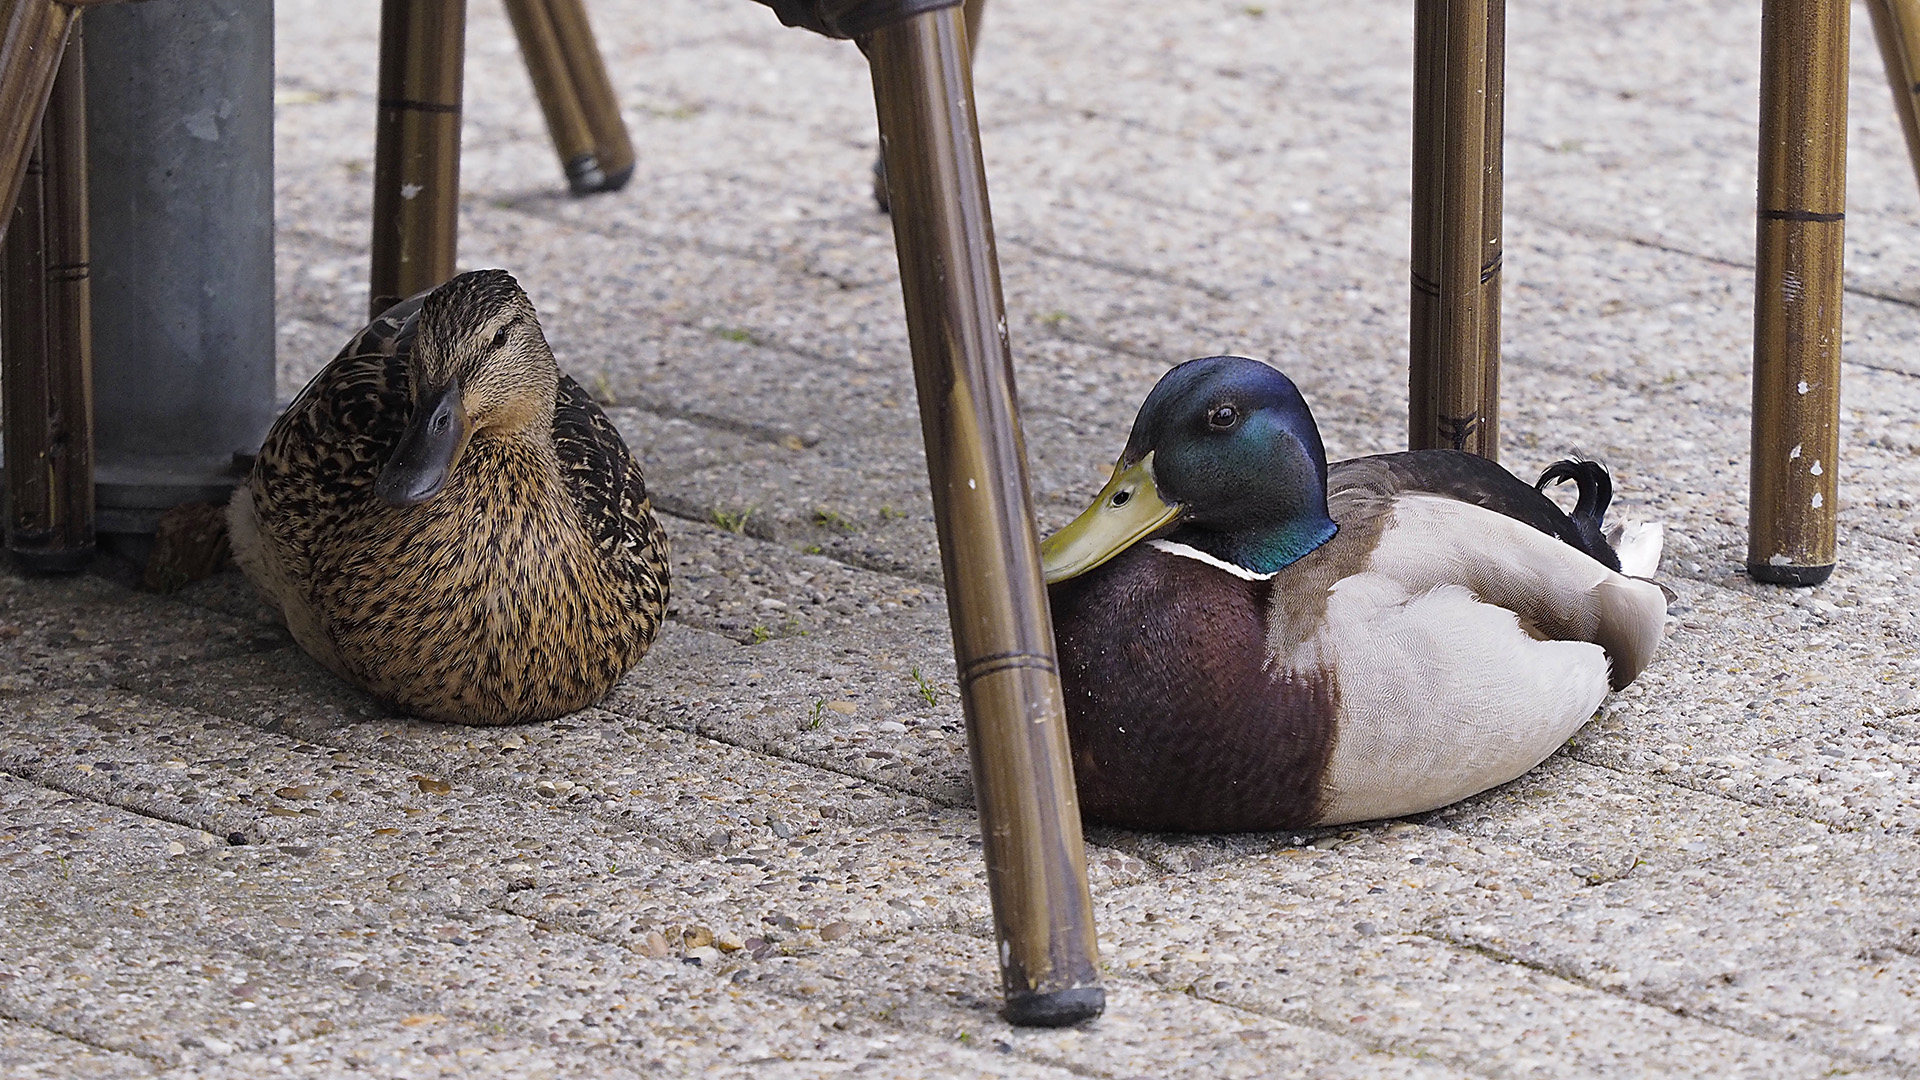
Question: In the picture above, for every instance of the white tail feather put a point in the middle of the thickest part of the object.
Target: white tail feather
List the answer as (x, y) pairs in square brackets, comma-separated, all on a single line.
[(1638, 544)]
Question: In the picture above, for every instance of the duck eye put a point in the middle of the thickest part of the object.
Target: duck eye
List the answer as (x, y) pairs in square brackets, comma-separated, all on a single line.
[(500, 338), (1223, 417)]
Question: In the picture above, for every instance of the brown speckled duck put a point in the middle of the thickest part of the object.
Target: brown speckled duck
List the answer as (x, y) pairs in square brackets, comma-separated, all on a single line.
[(1251, 639), (447, 520)]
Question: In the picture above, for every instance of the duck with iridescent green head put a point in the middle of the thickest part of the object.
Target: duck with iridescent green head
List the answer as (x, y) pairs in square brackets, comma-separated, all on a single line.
[(1251, 639)]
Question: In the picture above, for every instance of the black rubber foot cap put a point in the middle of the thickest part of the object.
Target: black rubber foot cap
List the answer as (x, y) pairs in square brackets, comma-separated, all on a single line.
[(1062, 1008), (1789, 575), (618, 178), (584, 176), (71, 561)]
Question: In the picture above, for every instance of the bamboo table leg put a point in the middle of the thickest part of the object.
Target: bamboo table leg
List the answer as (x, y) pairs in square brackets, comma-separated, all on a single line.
[(1002, 629), (1454, 320), (583, 115), (1797, 290), (1896, 23), (416, 159), (47, 345)]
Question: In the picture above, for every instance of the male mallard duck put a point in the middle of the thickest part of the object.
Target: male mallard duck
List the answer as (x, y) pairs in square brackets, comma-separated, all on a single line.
[(446, 519), (1251, 640)]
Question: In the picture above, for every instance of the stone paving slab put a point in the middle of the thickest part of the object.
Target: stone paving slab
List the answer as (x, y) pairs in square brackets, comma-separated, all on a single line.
[(76, 631), (1358, 957)]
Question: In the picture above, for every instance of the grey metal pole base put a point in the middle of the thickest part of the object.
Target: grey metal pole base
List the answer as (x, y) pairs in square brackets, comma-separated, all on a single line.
[(180, 125)]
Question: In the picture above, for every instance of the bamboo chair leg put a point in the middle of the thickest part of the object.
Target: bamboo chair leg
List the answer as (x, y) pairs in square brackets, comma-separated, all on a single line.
[(583, 115), (1797, 290), (33, 33), (1454, 318), (416, 160), (1896, 23), (611, 146), (47, 346), (975, 11), (1002, 629)]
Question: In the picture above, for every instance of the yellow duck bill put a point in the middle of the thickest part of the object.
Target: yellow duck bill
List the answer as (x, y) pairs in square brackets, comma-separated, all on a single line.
[(1129, 509)]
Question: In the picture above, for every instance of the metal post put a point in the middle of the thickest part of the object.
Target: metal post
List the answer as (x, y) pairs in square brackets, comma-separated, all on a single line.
[(48, 343), (1896, 24), (1797, 290), (1002, 631), (180, 131), (1454, 327), (416, 156)]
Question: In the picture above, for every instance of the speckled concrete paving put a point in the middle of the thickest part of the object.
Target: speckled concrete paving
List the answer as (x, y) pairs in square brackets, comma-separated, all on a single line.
[(757, 857)]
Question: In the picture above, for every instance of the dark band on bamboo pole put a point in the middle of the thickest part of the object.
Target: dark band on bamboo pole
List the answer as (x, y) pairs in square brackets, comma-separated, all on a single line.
[(1453, 325), (48, 342), (416, 159), (587, 72), (1797, 290), (1896, 25), (1002, 629)]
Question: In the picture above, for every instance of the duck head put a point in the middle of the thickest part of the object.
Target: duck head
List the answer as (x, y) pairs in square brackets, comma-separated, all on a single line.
[(480, 368), (1224, 457)]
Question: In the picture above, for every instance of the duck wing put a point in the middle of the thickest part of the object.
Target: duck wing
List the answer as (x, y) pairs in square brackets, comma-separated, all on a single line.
[(1470, 478), (1468, 645), (321, 458), (609, 491)]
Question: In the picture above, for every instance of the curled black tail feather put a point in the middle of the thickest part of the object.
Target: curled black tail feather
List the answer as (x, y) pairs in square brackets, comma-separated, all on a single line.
[(1590, 511)]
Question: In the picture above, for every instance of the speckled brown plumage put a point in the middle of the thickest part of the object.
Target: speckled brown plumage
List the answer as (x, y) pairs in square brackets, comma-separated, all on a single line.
[(525, 587)]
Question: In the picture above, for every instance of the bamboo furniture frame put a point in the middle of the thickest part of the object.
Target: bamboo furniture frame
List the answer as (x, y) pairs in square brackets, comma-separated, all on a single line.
[(1454, 320), (47, 302), (989, 551)]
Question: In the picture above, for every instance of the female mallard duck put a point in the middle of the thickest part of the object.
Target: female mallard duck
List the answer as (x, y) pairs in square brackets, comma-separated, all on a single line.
[(1251, 640), (447, 520)]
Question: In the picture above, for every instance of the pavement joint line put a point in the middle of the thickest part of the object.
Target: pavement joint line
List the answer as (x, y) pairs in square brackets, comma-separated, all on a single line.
[(1771, 807), (1763, 1032), (536, 205), (46, 785), (484, 780), (1395, 1047), (1575, 753), (1111, 978), (77, 1037), (689, 511), (767, 433), (1719, 260), (1114, 266)]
